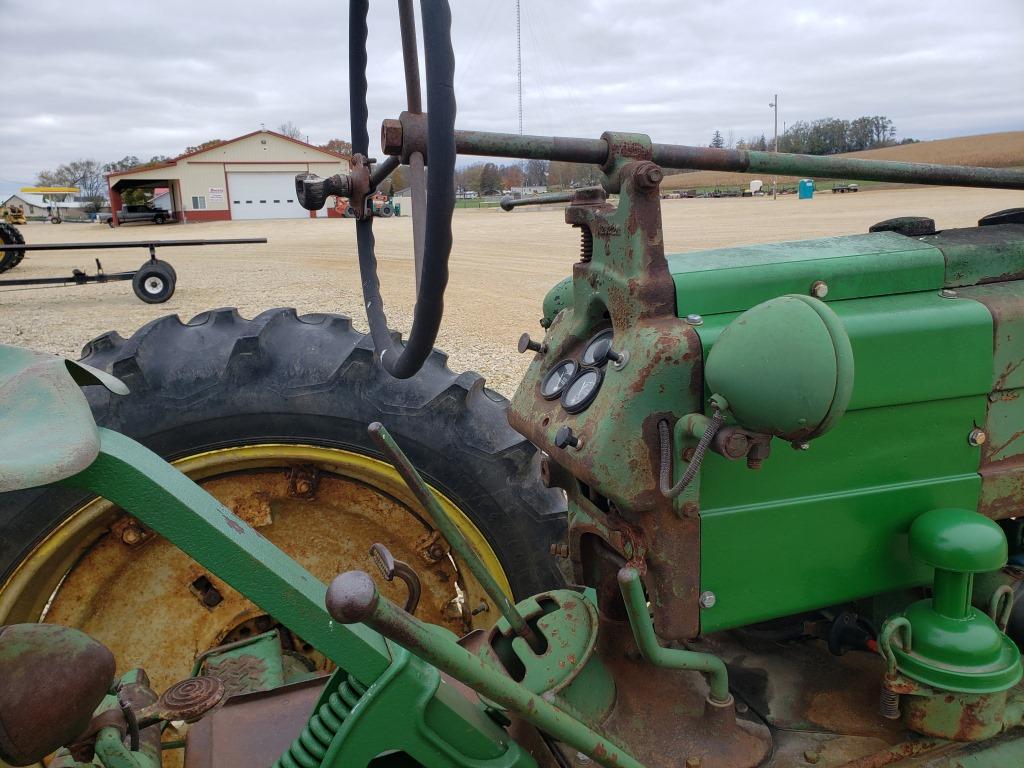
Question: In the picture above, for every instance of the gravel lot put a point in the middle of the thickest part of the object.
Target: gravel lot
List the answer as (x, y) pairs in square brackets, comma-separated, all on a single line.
[(502, 265)]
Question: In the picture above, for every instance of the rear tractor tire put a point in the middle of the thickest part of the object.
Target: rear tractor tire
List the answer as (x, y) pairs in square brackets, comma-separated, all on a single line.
[(270, 416), (9, 235)]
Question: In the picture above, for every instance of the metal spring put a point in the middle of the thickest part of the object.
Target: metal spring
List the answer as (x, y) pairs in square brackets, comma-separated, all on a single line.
[(586, 244), (309, 749), (889, 704)]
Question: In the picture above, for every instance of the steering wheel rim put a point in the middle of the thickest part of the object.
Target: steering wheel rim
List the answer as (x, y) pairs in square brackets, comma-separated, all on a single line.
[(403, 361)]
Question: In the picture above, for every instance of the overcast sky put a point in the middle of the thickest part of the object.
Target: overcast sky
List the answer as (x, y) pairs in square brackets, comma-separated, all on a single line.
[(109, 79)]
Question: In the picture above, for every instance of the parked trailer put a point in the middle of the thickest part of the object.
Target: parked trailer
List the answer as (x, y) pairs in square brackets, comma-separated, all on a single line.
[(154, 282)]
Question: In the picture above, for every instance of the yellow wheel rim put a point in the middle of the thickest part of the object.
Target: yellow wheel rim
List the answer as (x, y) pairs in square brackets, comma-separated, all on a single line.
[(83, 571)]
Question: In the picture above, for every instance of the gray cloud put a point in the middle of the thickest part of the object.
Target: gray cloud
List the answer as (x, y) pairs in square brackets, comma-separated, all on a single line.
[(106, 79)]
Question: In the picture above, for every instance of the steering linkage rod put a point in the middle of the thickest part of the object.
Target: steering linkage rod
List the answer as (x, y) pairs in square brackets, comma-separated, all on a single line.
[(681, 157)]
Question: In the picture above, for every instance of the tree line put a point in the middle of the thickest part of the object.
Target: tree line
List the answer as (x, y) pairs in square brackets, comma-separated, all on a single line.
[(827, 136)]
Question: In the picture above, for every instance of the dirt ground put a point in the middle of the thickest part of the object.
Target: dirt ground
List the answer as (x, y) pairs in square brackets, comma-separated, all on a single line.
[(502, 265)]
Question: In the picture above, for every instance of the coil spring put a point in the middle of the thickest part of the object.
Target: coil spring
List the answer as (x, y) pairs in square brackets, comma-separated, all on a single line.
[(309, 749), (889, 704), (586, 244)]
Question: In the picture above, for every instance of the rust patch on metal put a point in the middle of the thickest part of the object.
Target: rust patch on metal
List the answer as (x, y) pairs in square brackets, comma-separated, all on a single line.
[(53, 678), (895, 754), (327, 535)]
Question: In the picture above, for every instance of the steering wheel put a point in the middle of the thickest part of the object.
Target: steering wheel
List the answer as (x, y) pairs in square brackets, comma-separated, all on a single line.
[(432, 222)]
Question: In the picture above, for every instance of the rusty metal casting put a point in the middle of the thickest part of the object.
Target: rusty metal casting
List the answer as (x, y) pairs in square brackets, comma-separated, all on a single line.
[(54, 678), (190, 699)]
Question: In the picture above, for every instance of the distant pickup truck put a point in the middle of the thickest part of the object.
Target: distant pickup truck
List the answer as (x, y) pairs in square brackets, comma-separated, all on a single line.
[(841, 188), (135, 213)]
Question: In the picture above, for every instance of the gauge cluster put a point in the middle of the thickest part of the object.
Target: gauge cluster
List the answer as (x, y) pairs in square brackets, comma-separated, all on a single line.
[(576, 384)]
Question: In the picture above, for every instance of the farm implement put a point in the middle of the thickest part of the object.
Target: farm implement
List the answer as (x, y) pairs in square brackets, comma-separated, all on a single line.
[(753, 506), (154, 282)]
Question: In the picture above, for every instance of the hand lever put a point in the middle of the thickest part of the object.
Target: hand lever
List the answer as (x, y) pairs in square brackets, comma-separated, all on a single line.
[(454, 536), (389, 568)]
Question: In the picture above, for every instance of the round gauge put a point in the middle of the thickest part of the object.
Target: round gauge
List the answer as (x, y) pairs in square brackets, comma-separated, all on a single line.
[(596, 352), (554, 382), (582, 390)]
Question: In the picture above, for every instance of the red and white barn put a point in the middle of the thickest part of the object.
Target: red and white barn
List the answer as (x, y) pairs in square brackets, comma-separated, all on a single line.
[(251, 177)]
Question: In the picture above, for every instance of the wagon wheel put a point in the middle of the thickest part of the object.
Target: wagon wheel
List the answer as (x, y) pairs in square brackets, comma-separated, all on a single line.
[(433, 197)]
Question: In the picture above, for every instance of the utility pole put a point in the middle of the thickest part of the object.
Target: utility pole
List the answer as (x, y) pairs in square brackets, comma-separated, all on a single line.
[(519, 79), (775, 106)]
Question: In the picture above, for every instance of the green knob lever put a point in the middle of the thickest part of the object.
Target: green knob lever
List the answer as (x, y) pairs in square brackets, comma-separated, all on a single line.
[(954, 646)]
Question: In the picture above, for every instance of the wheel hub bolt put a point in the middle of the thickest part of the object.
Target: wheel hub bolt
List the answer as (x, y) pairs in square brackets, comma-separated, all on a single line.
[(977, 437), (131, 535)]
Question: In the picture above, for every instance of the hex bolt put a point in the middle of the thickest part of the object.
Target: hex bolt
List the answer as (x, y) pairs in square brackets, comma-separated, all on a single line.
[(946, 293), (707, 599), (582, 759), (131, 535), (695, 319), (565, 437), (690, 509), (812, 756), (391, 136), (693, 762), (526, 343), (977, 437), (819, 289)]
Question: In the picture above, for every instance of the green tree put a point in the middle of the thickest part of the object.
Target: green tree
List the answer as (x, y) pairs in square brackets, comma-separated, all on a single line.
[(717, 141), (490, 180)]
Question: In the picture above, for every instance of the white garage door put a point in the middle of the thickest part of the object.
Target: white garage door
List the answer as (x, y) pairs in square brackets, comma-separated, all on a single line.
[(264, 196)]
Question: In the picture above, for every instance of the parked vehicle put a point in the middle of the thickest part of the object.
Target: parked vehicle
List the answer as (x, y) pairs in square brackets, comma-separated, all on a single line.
[(136, 214)]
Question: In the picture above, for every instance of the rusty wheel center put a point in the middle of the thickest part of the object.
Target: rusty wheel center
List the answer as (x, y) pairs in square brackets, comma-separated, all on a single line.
[(155, 607)]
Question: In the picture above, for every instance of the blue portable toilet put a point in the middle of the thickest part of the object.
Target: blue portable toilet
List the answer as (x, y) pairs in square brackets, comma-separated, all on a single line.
[(806, 189)]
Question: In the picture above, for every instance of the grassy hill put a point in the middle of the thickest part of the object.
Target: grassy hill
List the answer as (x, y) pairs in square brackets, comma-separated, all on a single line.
[(994, 150)]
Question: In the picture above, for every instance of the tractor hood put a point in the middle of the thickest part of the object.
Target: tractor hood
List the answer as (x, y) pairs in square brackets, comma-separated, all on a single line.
[(858, 266)]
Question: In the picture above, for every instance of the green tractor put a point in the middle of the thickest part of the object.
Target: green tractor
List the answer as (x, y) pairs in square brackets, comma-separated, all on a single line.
[(755, 506)]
